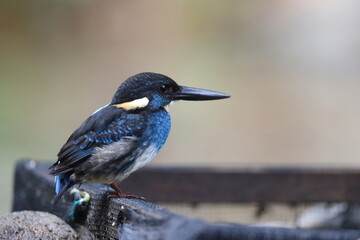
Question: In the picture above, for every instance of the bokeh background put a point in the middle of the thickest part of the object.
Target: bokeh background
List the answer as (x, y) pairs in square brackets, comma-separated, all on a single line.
[(291, 67)]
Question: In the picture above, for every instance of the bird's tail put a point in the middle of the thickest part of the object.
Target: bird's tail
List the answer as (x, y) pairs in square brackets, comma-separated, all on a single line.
[(62, 183)]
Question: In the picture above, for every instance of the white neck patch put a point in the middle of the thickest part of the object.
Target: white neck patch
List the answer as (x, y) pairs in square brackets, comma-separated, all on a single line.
[(167, 107), (135, 104)]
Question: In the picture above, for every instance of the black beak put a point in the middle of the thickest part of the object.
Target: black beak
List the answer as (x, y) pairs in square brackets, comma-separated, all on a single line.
[(197, 94)]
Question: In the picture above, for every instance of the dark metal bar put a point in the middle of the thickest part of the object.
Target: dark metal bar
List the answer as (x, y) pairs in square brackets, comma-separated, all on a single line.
[(244, 185), (210, 185)]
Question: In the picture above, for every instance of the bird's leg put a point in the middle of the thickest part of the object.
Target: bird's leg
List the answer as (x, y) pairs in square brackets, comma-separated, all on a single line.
[(119, 194)]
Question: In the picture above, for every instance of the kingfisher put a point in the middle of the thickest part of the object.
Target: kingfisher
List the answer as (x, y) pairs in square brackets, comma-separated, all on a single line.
[(124, 135)]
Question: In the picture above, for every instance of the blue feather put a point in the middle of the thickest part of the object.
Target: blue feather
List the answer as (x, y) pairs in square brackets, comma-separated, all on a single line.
[(60, 181)]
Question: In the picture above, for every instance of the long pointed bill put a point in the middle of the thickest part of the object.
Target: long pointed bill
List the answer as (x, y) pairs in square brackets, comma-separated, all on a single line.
[(197, 94)]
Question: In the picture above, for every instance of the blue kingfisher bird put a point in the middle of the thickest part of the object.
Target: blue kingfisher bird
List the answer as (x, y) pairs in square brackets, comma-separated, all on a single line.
[(123, 136)]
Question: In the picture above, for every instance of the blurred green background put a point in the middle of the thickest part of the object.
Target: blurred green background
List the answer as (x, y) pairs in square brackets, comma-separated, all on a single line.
[(292, 68)]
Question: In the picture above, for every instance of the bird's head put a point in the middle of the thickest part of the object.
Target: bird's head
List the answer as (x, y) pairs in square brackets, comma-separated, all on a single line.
[(153, 90)]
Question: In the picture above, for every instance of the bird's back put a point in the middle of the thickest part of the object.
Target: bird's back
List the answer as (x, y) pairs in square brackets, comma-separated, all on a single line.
[(92, 150)]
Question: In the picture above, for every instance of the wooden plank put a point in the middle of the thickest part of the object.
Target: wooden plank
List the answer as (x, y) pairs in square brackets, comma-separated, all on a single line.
[(244, 185), (108, 218), (209, 185)]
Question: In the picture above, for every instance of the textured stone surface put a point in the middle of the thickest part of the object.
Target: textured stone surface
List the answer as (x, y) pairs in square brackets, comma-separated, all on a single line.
[(34, 225)]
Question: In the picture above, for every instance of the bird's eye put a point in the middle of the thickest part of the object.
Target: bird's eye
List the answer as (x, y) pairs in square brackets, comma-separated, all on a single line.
[(163, 89), (166, 89)]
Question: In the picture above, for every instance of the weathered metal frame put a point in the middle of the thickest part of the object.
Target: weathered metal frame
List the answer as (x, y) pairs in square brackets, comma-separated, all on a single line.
[(277, 185), (135, 219)]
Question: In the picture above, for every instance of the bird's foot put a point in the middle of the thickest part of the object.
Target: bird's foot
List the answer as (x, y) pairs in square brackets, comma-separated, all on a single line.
[(117, 193)]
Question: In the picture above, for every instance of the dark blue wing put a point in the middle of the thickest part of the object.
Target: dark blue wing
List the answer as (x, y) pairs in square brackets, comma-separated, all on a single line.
[(106, 126)]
